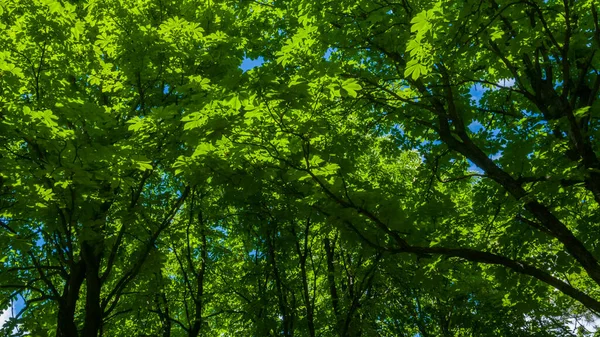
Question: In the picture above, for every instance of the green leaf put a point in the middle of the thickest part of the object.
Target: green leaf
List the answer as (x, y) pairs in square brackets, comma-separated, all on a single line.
[(235, 102), (202, 149), (144, 165), (194, 120), (581, 111), (414, 69), (351, 87), (137, 124)]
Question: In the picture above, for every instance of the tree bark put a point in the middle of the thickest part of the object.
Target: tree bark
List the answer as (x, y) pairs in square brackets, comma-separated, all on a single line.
[(93, 309), (302, 256), (335, 300), (66, 325)]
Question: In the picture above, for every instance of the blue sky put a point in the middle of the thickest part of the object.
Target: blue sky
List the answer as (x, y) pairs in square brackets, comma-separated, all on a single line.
[(248, 63), (11, 310)]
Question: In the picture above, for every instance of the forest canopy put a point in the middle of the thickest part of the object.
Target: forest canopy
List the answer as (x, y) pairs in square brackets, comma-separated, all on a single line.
[(299, 168)]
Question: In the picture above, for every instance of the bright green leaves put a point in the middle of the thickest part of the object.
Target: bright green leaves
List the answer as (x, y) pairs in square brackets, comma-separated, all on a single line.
[(45, 117), (8, 67), (113, 110), (182, 36), (234, 102), (300, 46), (105, 44), (144, 165), (43, 197), (54, 7), (194, 120), (415, 69), (78, 30), (496, 34), (136, 124), (319, 168), (176, 28), (421, 23), (253, 112), (351, 87), (45, 120), (63, 183), (92, 103), (336, 87), (203, 149), (327, 170), (581, 112), (420, 46), (45, 194), (181, 164), (199, 81)]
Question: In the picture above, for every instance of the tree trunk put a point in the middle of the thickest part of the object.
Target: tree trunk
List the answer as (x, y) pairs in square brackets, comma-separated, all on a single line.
[(335, 301), (93, 309), (66, 326), (199, 301)]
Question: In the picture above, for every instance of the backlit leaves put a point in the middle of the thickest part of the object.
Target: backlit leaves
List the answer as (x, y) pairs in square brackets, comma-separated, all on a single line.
[(371, 178)]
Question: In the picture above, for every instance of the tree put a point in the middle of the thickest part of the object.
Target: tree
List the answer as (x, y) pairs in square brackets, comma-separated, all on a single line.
[(392, 169)]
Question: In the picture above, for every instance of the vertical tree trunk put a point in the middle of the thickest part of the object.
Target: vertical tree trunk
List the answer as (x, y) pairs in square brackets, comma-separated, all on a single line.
[(335, 301), (93, 309), (165, 319), (199, 301), (285, 317), (66, 326), (302, 255)]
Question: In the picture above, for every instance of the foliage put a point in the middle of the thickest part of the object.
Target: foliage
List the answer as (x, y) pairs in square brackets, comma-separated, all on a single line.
[(409, 168)]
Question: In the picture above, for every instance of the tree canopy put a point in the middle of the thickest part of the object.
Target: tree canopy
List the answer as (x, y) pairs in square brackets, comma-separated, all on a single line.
[(388, 168)]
